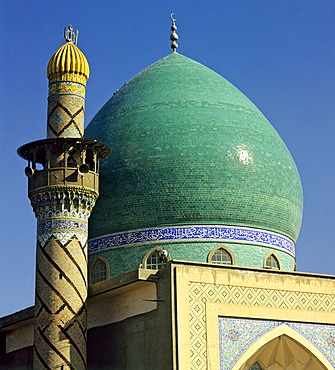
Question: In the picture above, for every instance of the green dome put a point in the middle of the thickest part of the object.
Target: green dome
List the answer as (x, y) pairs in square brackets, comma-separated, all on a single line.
[(188, 148)]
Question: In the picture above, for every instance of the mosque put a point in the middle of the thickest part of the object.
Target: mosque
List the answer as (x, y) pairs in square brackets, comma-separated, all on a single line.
[(165, 232)]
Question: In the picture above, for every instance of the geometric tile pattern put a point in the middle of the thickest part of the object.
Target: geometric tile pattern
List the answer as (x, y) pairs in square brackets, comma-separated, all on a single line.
[(62, 229), (70, 88), (62, 202), (236, 335), (193, 232), (200, 293), (66, 118), (66, 104), (60, 305)]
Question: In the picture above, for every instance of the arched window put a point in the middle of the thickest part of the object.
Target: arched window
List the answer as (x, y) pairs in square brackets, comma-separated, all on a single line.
[(153, 259), (272, 262), (221, 256), (99, 270)]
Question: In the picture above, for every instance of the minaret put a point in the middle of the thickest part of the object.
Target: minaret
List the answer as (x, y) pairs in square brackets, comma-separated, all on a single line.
[(63, 186)]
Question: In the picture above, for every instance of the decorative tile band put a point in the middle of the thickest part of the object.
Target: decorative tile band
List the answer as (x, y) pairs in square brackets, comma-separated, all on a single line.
[(236, 335), (193, 233), (67, 88), (65, 214), (62, 201), (63, 229), (61, 224), (62, 236)]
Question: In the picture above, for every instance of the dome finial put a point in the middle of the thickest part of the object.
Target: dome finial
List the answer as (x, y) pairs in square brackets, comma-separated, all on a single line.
[(70, 36), (174, 36)]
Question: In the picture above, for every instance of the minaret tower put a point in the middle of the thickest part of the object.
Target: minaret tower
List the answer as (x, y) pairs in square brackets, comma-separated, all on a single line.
[(63, 185)]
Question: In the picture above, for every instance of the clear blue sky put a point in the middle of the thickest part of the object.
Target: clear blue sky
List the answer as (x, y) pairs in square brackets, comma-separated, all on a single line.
[(280, 53)]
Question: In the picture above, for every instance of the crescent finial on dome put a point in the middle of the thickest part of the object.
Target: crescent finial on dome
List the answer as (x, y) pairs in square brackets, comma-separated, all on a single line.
[(174, 36), (70, 36)]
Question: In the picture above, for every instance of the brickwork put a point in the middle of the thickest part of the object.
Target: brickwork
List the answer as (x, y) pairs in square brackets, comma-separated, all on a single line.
[(189, 148), (61, 275), (60, 306), (66, 106), (129, 258)]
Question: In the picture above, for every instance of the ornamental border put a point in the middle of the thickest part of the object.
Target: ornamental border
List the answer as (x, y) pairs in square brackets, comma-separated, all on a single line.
[(227, 331), (61, 224), (200, 233), (67, 88)]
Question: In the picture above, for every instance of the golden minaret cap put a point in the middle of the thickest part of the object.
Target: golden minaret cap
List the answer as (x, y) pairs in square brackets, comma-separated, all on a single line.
[(68, 63)]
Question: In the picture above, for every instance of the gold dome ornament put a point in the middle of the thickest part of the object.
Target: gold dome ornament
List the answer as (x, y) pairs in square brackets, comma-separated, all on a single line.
[(68, 63)]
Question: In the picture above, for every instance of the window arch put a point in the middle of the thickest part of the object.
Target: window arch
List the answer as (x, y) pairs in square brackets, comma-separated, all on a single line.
[(153, 261), (271, 261), (221, 255), (99, 270)]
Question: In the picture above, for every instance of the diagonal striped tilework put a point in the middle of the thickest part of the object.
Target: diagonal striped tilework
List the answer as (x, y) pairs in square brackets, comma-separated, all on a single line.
[(62, 214), (200, 293), (60, 306), (236, 335)]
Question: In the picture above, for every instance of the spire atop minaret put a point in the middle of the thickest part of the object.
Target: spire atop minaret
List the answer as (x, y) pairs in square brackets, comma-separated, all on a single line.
[(68, 63), (67, 71), (70, 36), (174, 36)]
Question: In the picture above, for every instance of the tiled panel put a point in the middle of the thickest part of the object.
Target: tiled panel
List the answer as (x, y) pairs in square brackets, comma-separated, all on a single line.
[(195, 232), (200, 293), (236, 335)]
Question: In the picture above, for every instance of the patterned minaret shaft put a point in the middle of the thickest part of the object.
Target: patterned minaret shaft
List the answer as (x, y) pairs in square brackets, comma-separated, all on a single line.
[(66, 104), (67, 72), (61, 276), (63, 192)]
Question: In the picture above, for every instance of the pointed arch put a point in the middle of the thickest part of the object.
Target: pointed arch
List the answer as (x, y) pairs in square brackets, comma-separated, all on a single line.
[(221, 255), (282, 330), (271, 261)]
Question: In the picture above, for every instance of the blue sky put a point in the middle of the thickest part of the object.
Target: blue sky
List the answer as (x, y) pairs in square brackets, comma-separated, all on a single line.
[(281, 54)]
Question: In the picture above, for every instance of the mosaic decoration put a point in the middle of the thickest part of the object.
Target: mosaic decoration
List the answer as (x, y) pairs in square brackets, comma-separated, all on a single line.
[(62, 202), (62, 229), (66, 110), (193, 233), (248, 331), (65, 117), (200, 293), (60, 305), (67, 88), (61, 224), (62, 214), (81, 215)]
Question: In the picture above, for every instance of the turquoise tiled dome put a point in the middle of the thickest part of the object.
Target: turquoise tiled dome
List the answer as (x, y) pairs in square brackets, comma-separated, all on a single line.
[(188, 148)]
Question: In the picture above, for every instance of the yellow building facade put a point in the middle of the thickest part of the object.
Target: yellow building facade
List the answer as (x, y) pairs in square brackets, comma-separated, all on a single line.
[(202, 316)]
